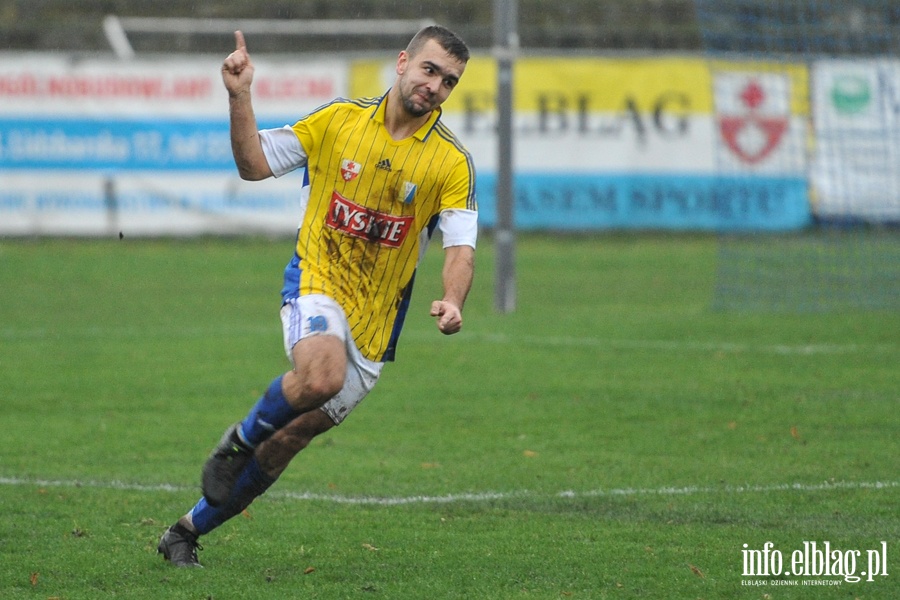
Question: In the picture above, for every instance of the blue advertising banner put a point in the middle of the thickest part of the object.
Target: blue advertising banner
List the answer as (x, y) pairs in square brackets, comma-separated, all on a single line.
[(85, 144), (578, 202)]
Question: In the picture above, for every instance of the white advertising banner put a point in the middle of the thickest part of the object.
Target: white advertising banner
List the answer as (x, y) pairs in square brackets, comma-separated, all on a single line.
[(51, 85), (99, 146), (856, 166)]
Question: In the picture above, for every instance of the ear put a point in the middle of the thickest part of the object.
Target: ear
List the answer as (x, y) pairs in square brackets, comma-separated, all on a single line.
[(402, 62)]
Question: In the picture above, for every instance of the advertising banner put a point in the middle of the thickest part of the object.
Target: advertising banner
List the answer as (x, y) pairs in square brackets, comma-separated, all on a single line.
[(856, 167), (636, 143), (100, 146)]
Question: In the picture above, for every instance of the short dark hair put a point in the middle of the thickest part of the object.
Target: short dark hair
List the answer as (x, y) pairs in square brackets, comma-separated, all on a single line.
[(448, 40)]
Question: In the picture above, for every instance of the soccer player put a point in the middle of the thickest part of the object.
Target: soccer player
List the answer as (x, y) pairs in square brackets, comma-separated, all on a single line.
[(381, 175)]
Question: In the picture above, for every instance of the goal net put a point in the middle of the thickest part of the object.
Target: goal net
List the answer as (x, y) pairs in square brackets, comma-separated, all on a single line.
[(850, 257)]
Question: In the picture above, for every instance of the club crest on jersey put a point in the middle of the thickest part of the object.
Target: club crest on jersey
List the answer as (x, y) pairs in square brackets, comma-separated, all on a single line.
[(363, 223), (409, 192), (350, 169)]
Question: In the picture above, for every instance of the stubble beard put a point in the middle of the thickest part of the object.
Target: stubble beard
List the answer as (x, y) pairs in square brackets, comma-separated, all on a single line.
[(414, 109)]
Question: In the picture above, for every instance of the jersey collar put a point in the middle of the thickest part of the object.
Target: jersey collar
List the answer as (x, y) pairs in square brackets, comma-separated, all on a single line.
[(423, 131)]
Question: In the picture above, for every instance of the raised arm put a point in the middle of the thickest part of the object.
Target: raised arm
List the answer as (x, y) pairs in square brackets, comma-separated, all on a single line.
[(237, 74), (459, 270)]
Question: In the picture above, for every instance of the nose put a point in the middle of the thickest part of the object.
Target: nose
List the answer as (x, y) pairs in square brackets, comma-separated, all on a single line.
[(433, 84)]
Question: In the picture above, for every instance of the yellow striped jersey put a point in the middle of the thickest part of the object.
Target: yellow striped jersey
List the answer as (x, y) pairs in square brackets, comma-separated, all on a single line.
[(372, 205)]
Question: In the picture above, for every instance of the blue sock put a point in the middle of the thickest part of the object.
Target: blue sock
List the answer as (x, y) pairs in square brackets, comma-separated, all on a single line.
[(251, 484), (271, 413)]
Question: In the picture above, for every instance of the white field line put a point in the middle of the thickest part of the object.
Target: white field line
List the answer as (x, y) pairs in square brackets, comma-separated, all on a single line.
[(825, 486), (125, 332)]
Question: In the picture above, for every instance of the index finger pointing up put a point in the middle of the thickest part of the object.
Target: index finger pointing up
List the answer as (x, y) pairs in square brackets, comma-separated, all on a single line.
[(239, 42)]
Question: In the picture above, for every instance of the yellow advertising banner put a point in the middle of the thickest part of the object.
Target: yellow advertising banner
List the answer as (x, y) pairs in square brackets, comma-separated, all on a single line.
[(581, 84), (596, 84)]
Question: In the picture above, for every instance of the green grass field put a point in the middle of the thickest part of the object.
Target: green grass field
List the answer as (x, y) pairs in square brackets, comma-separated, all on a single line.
[(612, 438)]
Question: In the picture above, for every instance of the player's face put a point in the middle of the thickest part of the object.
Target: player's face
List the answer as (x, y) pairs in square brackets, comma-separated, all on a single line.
[(426, 79)]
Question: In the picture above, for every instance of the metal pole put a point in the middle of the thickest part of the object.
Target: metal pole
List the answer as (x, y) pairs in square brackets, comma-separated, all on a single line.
[(506, 44)]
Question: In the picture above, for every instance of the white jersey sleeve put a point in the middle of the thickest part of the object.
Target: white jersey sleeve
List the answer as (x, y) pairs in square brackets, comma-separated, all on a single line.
[(459, 227), (283, 150)]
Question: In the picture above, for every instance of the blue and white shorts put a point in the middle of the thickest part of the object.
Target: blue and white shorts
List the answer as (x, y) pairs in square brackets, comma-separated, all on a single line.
[(316, 314)]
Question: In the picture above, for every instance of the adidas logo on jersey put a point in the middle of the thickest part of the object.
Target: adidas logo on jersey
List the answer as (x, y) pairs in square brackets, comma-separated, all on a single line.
[(384, 164)]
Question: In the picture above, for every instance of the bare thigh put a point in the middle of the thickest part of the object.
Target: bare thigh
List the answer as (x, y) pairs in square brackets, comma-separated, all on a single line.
[(320, 367)]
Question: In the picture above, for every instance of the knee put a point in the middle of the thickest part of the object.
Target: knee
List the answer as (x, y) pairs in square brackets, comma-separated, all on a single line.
[(319, 388), (320, 366), (311, 388)]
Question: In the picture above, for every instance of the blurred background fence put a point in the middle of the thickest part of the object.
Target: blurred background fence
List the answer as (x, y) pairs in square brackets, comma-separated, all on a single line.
[(858, 27), (850, 258), (570, 24)]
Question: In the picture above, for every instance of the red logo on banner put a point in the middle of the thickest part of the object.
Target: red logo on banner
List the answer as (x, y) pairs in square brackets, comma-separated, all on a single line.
[(752, 137), (366, 224)]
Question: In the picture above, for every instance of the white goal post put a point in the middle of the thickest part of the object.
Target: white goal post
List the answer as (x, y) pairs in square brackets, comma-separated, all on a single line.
[(116, 28)]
